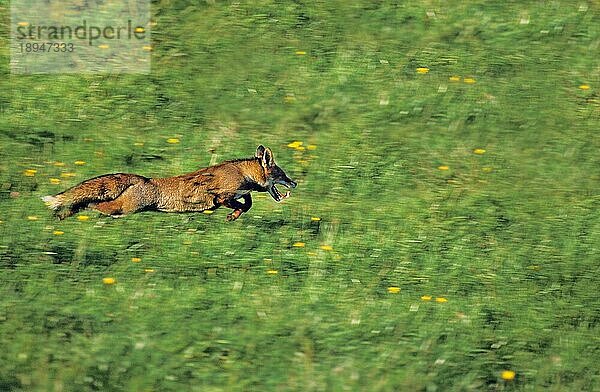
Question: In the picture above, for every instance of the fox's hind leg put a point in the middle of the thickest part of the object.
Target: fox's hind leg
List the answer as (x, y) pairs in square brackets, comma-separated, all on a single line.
[(238, 208), (128, 202)]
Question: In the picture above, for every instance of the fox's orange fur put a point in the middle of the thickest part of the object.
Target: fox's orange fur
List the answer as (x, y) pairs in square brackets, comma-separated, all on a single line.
[(205, 189)]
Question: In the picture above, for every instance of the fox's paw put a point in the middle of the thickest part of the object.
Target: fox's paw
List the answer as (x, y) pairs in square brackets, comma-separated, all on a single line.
[(233, 216)]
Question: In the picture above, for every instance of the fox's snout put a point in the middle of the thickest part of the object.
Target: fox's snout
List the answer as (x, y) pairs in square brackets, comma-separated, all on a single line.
[(289, 183)]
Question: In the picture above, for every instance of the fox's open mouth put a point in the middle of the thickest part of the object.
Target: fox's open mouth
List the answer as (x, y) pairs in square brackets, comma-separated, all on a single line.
[(276, 195)]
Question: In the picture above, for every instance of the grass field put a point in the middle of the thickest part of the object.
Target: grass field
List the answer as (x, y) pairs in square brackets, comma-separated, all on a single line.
[(444, 235)]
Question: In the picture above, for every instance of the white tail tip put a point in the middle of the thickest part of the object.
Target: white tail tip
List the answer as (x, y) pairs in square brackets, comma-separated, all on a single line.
[(52, 201)]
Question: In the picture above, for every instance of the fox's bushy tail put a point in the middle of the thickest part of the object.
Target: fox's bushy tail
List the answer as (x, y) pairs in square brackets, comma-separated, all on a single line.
[(103, 188)]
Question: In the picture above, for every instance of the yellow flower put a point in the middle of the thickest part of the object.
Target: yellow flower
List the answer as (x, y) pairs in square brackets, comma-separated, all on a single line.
[(149, 270), (469, 80), (311, 147), (272, 272), (55, 181), (208, 212), (584, 87), (508, 375), (422, 70), (299, 244), (32, 218), (58, 232), (79, 163), (138, 144), (147, 47), (295, 144), (103, 46), (135, 259), (23, 24), (67, 175), (139, 30), (455, 78), (300, 52), (83, 218), (393, 290), (441, 300), (479, 151), (443, 167), (315, 219), (29, 172), (326, 247), (426, 297), (172, 140), (109, 280), (58, 163)]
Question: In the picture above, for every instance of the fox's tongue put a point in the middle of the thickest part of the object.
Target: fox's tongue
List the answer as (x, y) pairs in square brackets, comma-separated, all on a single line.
[(277, 196)]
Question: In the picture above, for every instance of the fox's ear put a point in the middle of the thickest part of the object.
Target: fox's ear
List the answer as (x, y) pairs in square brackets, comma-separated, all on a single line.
[(267, 158), (260, 150)]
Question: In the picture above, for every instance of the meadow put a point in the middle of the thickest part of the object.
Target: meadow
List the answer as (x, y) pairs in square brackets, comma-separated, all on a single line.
[(444, 234)]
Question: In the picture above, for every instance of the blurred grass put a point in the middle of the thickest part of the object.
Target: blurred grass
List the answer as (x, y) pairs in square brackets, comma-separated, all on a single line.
[(509, 237)]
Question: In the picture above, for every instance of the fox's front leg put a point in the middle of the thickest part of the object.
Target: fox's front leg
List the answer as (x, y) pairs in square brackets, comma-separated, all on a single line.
[(238, 208)]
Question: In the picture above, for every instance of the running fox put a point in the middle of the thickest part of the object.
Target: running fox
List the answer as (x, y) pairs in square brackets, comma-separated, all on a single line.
[(205, 189)]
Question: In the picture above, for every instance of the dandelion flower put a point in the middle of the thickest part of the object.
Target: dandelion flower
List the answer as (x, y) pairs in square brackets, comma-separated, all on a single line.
[(79, 163), (454, 78), (32, 218), (83, 218), (422, 70), (58, 163), (109, 281), (23, 24), (443, 167), (426, 297), (300, 52), (508, 375), (136, 259), (147, 48), (311, 147), (138, 144), (298, 244), (55, 181), (29, 172), (295, 144), (67, 174), (393, 290), (469, 80), (103, 46), (441, 300), (172, 140), (207, 212), (315, 219), (326, 247), (139, 29), (272, 272), (58, 232), (584, 87), (479, 151), (149, 270)]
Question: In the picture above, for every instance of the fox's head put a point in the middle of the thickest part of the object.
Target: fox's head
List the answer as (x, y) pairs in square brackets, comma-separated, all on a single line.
[(273, 173)]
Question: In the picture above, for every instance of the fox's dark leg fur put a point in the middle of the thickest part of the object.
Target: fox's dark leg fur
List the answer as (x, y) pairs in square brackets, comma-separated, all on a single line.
[(238, 208)]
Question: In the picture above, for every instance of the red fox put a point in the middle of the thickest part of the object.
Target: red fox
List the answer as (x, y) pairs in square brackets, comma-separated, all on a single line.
[(205, 189)]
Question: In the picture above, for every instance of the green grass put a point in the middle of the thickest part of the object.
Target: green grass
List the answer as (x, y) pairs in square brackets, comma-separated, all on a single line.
[(510, 237)]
